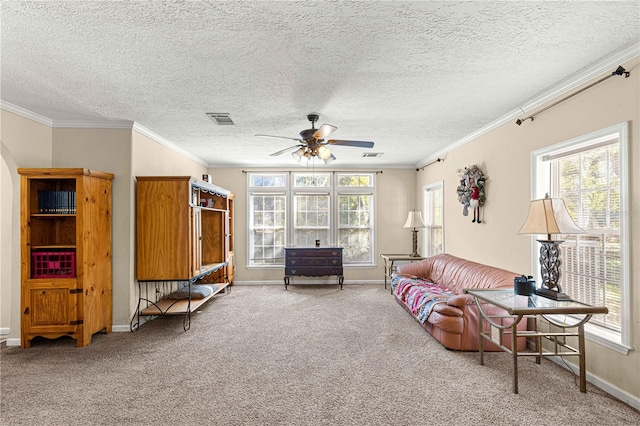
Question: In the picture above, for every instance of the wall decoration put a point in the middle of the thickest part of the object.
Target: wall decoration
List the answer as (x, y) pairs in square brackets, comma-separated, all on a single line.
[(471, 191)]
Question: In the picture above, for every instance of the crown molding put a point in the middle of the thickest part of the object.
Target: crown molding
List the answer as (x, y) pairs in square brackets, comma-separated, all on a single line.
[(606, 64), (99, 124), (162, 141), (7, 106), (93, 124), (71, 124)]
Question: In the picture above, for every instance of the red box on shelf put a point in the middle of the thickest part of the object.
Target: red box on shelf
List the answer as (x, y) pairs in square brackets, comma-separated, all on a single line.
[(54, 264)]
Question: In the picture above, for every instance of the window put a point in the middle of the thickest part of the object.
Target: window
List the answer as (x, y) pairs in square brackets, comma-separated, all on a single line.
[(335, 208), (591, 175), (355, 217), (267, 219), (434, 218), (311, 219)]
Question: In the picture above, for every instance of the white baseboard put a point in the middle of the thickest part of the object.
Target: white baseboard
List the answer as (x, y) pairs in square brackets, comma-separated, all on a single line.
[(612, 390), (11, 341)]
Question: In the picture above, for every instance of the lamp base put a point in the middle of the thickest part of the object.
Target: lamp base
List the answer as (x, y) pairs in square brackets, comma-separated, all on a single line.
[(414, 253), (552, 294)]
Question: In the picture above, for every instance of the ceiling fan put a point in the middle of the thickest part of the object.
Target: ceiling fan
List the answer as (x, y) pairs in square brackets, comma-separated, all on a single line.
[(312, 142)]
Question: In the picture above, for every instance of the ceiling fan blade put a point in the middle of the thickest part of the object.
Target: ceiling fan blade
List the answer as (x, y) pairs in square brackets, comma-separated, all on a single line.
[(357, 144), (324, 131), (279, 137), (291, 148)]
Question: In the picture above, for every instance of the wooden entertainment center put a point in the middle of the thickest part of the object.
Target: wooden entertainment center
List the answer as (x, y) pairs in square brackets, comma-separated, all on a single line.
[(184, 236)]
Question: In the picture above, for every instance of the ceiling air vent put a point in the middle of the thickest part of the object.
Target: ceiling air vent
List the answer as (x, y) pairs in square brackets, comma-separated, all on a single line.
[(372, 154), (221, 118)]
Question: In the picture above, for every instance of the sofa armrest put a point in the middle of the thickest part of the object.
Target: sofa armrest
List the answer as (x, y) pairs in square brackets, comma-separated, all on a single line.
[(448, 310), (461, 300)]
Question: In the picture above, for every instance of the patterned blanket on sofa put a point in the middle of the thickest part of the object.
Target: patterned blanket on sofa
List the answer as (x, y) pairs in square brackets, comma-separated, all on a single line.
[(419, 295)]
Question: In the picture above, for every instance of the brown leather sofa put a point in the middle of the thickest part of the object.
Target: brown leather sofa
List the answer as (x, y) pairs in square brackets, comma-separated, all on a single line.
[(453, 317)]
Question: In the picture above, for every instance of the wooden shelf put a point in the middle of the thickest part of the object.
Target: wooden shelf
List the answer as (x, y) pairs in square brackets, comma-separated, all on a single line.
[(66, 266), (180, 306), (56, 246)]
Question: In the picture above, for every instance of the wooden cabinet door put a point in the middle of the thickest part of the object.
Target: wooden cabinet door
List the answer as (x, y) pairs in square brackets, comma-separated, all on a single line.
[(163, 228), (50, 307), (196, 241)]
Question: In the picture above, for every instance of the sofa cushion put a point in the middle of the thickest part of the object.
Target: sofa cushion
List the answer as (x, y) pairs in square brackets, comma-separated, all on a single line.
[(199, 291), (447, 323), (456, 274), (419, 295), (461, 300)]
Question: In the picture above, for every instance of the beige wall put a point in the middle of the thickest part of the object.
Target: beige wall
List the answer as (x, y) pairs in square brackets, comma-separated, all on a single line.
[(24, 143), (107, 150), (504, 156), (394, 198)]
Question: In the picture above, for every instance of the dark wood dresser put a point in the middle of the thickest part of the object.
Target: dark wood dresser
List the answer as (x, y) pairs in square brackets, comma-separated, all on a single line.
[(313, 262)]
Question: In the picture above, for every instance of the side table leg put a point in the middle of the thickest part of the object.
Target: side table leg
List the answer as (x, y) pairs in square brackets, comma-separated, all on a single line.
[(388, 272), (481, 337), (286, 281), (538, 341), (583, 374), (514, 351), (340, 280), (385, 274)]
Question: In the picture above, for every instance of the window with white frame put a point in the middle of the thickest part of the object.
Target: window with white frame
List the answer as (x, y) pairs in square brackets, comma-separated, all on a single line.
[(591, 175), (355, 217), (434, 219), (333, 207), (267, 218)]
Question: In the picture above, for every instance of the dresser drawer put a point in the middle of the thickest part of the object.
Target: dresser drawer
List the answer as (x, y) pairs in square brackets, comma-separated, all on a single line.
[(319, 271), (314, 252), (313, 261)]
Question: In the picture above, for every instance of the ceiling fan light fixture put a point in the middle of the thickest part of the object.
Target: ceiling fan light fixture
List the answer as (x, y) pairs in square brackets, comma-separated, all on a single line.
[(298, 154), (324, 152), (329, 159), (312, 143)]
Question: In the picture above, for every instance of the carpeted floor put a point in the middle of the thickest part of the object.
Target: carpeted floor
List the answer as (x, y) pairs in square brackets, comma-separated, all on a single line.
[(313, 355)]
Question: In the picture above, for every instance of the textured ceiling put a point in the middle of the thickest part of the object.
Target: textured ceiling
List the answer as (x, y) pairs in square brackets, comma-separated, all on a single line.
[(414, 77)]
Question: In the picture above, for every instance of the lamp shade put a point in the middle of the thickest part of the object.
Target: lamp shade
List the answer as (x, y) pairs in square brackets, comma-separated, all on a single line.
[(330, 159), (324, 152), (414, 220), (549, 216), (298, 154)]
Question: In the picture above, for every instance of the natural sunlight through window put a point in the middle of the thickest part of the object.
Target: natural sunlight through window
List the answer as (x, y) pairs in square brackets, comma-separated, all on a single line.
[(590, 174), (335, 208)]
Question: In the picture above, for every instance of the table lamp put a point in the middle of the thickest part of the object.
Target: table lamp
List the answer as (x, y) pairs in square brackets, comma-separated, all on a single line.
[(414, 220), (550, 216)]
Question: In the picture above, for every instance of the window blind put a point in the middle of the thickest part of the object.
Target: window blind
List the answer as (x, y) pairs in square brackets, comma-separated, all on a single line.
[(588, 179)]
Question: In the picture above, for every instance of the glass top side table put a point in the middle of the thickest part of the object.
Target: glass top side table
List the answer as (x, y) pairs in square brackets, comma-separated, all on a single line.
[(492, 328), (390, 259)]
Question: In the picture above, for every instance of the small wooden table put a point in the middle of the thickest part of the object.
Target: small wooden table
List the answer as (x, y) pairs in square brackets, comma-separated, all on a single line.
[(519, 307), (389, 260)]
